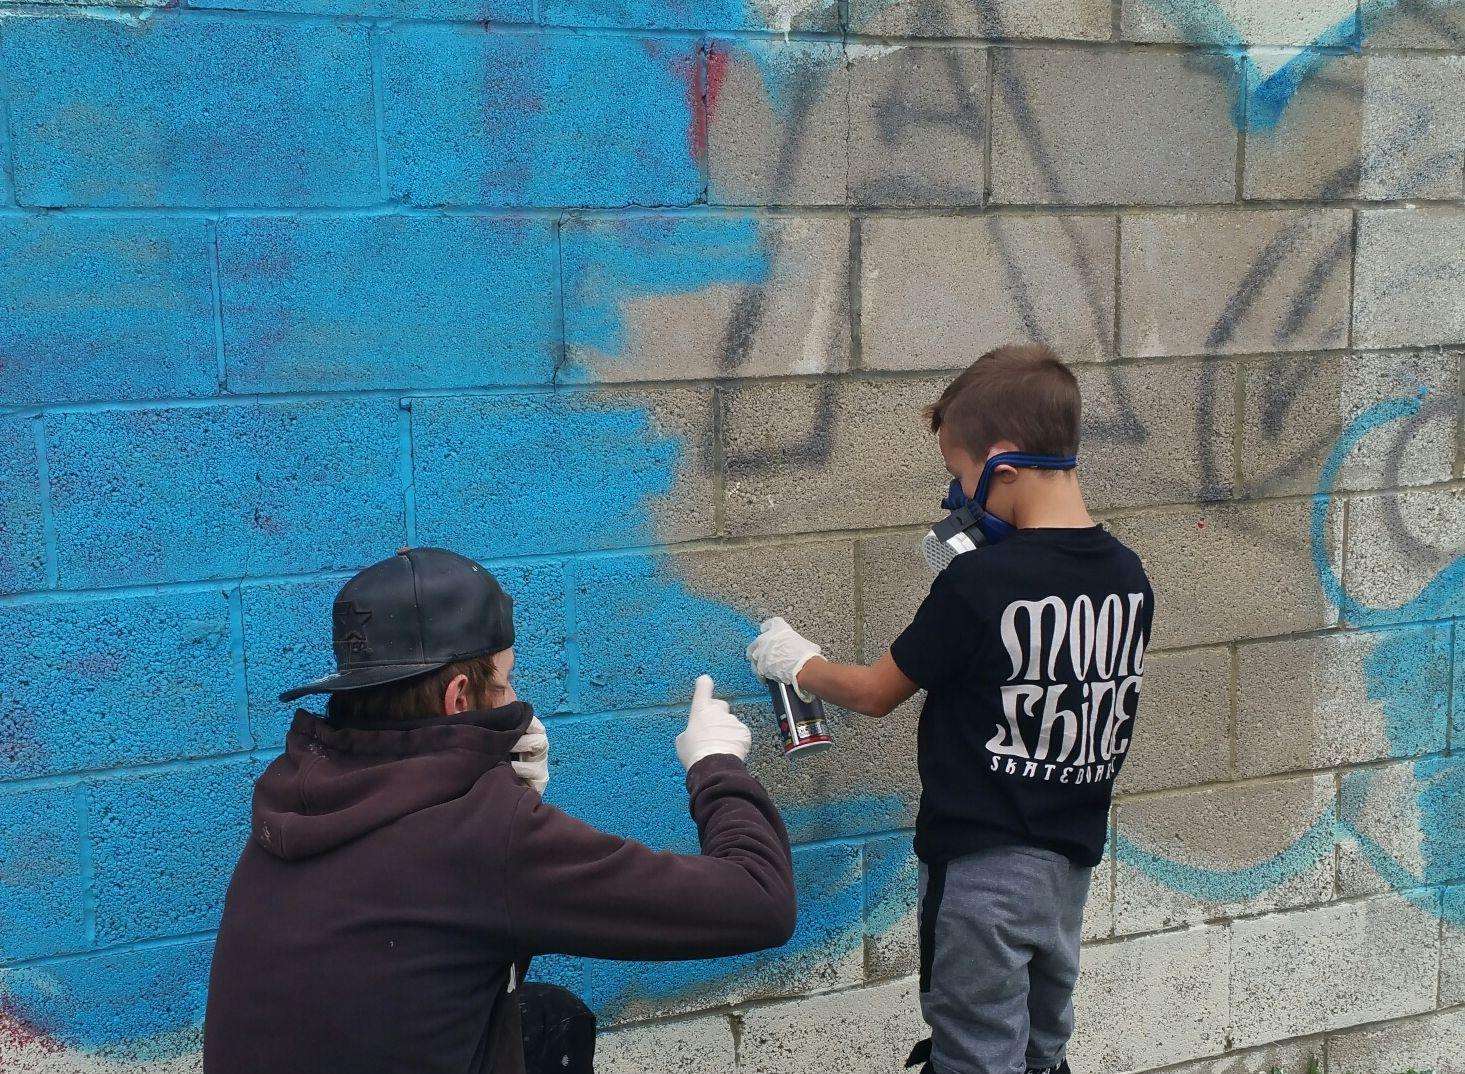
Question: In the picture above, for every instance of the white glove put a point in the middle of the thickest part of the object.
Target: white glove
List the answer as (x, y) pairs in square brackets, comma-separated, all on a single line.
[(530, 756), (711, 728), (779, 653)]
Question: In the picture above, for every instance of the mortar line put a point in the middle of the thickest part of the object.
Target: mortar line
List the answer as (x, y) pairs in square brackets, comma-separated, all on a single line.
[(1233, 705), (719, 461), (7, 159), (87, 867), (77, 777), (49, 547), (1238, 427), (216, 294), (855, 292), (235, 598), (540, 387), (858, 601), (407, 471), (1337, 843), (1116, 343), (1269, 779), (150, 944), (713, 544), (378, 106), (1352, 278), (1244, 104), (608, 212), (561, 336), (992, 56), (573, 688)]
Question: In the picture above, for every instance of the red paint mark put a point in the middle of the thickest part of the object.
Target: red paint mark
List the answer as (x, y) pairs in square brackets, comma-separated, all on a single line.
[(704, 83), (1200, 525), (17, 1033)]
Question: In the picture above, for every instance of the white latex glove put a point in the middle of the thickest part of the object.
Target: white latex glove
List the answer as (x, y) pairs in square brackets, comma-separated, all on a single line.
[(530, 756), (711, 728), (779, 653)]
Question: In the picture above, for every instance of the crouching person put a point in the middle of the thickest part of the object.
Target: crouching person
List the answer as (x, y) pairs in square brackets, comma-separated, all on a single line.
[(402, 869)]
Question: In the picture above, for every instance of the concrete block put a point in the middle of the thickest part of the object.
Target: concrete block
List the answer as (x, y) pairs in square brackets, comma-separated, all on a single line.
[(1399, 826), (781, 15), (777, 122), (797, 450), (177, 832), (1403, 558), (826, 952), (153, 676), (105, 309), (1274, 280), (1409, 283), (1183, 736), (632, 467), (218, 492), (669, 298), (562, 971), (1312, 703), (1434, 1042), (1287, 1057), (917, 125), (387, 301), (42, 897), (1328, 968), (939, 292), (1216, 853), (1370, 127), (189, 111), (1174, 423), (1452, 954), (593, 762), (1231, 22), (538, 119), (1098, 911), (476, 10), (702, 1044), (129, 1010), (1153, 1000), (1421, 24), (1225, 572), (1160, 134), (863, 1031), (1295, 409), (995, 20), (22, 541), (892, 882), (644, 627), (287, 642), (894, 579)]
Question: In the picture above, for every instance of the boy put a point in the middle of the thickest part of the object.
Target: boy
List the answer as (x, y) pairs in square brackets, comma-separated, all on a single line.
[(1030, 646)]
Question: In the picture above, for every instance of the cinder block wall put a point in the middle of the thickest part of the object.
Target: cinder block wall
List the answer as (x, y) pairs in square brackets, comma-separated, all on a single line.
[(639, 302)]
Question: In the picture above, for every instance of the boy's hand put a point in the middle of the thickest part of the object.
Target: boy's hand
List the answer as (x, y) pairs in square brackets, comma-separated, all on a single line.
[(779, 652), (711, 728)]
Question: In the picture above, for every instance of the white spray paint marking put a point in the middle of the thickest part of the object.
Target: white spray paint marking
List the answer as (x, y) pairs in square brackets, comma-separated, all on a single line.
[(855, 50), (781, 14)]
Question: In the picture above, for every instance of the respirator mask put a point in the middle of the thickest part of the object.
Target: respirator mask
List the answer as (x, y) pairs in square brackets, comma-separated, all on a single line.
[(969, 524)]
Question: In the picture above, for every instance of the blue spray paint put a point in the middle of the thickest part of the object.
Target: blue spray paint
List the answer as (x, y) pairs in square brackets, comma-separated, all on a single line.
[(1396, 659), (1261, 98), (145, 999)]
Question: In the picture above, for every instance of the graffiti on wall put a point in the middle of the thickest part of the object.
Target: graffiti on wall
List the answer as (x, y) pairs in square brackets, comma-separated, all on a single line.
[(140, 1002)]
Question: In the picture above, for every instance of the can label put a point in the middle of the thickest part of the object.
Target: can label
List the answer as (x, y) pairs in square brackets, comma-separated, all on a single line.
[(801, 724)]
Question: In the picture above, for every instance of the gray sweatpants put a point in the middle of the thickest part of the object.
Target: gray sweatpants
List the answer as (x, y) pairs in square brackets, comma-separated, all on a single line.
[(1000, 933)]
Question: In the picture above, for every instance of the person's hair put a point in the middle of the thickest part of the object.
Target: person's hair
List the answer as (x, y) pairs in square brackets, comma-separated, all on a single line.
[(1021, 393), (410, 699)]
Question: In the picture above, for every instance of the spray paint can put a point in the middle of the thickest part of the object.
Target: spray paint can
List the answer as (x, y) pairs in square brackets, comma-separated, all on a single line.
[(801, 724)]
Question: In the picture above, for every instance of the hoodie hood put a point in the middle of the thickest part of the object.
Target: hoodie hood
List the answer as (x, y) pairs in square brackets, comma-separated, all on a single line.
[(335, 783)]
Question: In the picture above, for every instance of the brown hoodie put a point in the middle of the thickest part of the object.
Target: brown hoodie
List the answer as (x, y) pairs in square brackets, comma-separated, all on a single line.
[(396, 873)]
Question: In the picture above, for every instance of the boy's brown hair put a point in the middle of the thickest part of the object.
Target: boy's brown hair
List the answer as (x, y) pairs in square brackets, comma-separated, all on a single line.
[(1022, 393), (410, 699)]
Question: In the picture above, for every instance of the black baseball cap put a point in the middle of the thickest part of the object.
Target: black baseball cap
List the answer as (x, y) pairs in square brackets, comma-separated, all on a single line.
[(421, 610)]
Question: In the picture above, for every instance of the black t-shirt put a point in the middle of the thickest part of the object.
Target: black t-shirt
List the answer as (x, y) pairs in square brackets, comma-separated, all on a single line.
[(1031, 653)]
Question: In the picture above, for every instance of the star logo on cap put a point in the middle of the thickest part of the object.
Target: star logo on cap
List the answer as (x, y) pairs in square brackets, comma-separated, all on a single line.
[(352, 623)]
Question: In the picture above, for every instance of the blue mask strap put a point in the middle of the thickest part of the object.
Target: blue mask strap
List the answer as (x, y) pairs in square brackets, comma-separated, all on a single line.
[(1023, 460)]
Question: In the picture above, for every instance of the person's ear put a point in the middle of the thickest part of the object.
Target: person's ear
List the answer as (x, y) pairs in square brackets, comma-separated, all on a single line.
[(456, 697)]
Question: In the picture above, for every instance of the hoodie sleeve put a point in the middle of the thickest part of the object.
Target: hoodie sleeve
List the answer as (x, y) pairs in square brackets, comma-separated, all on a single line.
[(578, 891)]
